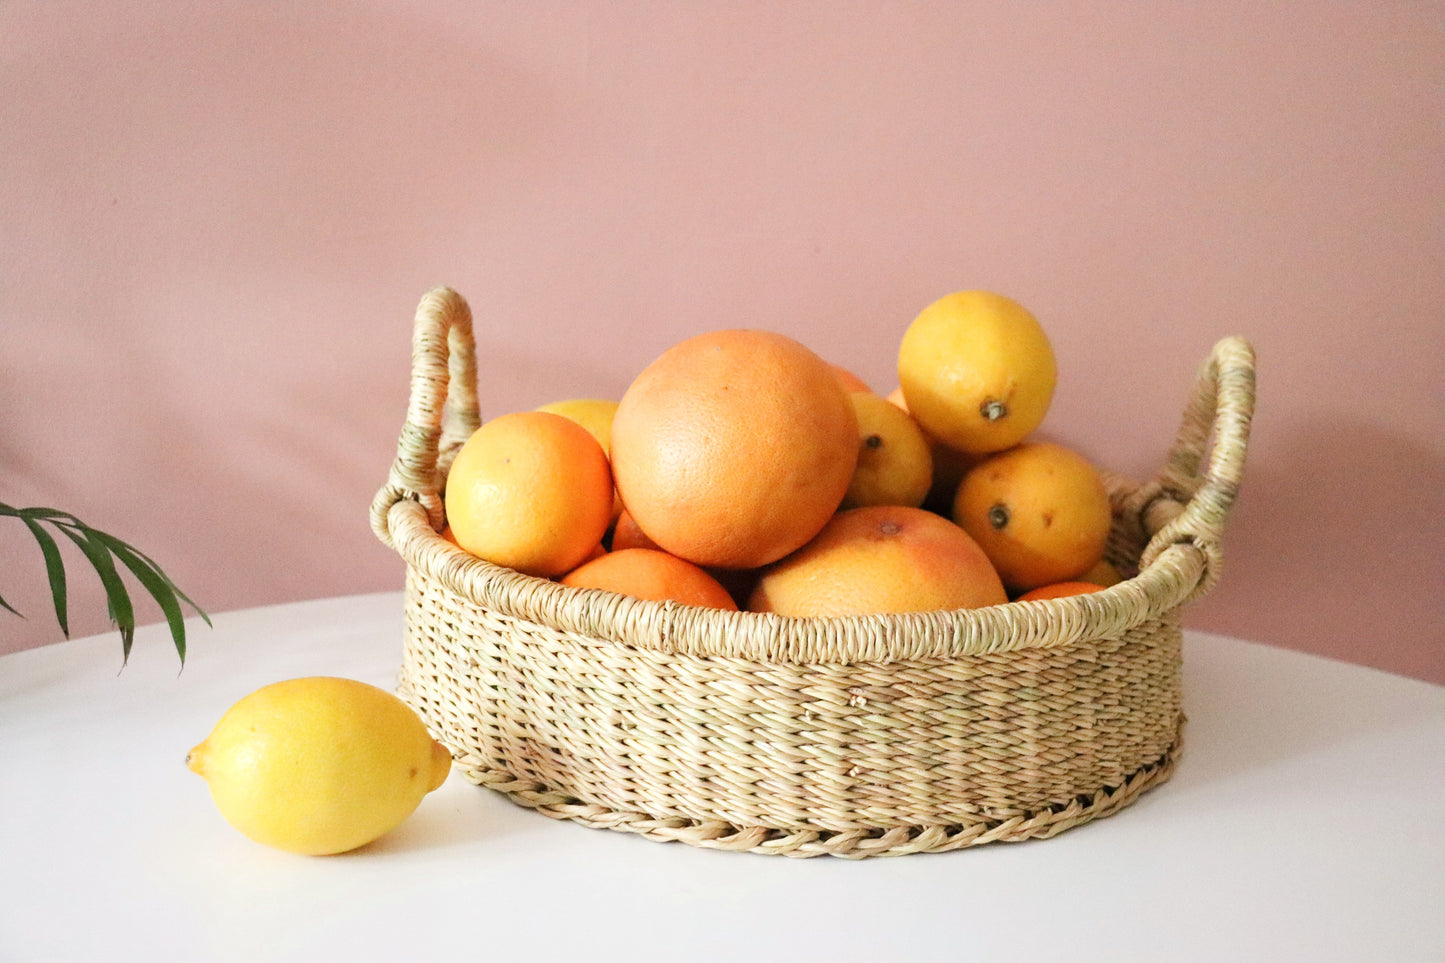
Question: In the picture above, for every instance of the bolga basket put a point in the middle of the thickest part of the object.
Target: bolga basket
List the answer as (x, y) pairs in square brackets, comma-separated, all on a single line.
[(861, 736)]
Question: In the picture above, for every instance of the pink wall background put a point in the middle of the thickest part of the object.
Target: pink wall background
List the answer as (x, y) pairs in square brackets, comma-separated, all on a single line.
[(216, 220)]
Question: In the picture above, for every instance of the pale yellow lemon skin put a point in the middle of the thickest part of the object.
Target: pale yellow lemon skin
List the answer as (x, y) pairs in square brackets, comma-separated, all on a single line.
[(895, 463), (977, 371), (594, 414), (319, 765)]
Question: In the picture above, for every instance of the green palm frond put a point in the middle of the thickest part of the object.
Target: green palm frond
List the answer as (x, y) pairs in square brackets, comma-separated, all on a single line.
[(102, 551)]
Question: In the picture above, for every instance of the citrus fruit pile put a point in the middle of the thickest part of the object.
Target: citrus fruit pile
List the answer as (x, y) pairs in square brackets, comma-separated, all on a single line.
[(742, 470)]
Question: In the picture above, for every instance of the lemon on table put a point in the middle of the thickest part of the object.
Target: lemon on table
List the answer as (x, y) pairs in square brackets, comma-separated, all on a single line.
[(977, 371), (319, 765)]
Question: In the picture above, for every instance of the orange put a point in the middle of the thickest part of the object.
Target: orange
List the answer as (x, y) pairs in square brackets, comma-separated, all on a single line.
[(977, 370), (883, 558), (1039, 510), (598, 549), (530, 490), (1058, 590), (647, 573), (949, 465), (626, 534), (734, 448), (895, 466), (594, 414)]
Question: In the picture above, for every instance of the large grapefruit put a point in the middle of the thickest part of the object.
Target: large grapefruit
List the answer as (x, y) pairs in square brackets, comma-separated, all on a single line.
[(734, 448)]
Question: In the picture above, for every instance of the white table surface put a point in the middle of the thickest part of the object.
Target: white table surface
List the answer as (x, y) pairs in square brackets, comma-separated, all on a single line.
[(1306, 821)]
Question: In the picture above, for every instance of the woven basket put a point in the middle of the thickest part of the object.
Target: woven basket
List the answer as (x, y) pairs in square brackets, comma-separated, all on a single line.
[(859, 736)]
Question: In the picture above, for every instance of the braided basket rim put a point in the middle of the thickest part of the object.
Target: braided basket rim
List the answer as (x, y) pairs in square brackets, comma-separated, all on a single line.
[(611, 618)]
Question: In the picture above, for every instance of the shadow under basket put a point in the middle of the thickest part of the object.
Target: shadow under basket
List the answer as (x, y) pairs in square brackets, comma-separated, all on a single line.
[(861, 736)]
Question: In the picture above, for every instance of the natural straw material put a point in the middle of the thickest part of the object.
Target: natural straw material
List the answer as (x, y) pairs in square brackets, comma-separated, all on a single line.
[(862, 736)]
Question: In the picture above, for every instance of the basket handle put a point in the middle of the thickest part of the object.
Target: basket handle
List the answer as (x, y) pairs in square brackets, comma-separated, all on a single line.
[(442, 411), (1190, 498)]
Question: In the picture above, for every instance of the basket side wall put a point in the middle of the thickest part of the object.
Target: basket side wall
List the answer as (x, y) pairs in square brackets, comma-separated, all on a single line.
[(789, 746)]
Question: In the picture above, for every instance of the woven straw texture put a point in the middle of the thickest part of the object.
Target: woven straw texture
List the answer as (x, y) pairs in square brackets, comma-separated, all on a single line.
[(854, 737)]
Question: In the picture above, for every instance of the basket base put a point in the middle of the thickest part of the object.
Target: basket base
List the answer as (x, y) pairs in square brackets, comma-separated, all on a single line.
[(855, 844)]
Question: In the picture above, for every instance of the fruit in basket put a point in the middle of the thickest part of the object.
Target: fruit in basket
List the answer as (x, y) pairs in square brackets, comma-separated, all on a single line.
[(882, 558), (949, 465), (1059, 590), (895, 466), (977, 371), (626, 534), (733, 448), (594, 414), (648, 573), (532, 491), (319, 765), (1039, 510)]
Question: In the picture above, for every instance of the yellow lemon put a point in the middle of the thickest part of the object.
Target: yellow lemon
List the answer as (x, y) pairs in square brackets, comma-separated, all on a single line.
[(1039, 510), (319, 765), (594, 414), (894, 466), (977, 371)]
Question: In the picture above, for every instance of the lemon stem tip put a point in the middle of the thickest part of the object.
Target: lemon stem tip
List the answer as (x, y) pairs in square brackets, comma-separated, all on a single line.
[(992, 409)]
